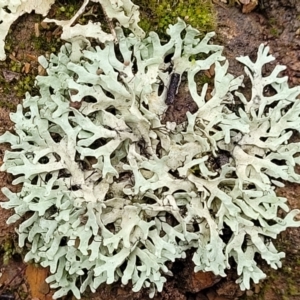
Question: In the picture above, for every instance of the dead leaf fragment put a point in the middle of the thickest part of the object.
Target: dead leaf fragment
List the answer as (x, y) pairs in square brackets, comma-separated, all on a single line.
[(31, 57), (37, 29), (13, 57), (10, 75), (41, 71), (247, 8), (44, 25), (75, 104), (27, 67), (57, 31)]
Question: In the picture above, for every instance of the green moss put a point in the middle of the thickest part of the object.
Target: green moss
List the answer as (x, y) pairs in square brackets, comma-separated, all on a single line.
[(201, 79), (8, 105), (67, 9), (272, 21), (274, 29), (293, 290), (15, 66), (157, 15), (19, 87), (8, 250), (9, 41), (42, 43), (24, 85), (24, 82), (274, 32), (286, 269)]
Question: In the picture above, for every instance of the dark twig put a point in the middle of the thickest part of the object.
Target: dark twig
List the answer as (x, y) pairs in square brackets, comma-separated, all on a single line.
[(173, 86), (8, 284)]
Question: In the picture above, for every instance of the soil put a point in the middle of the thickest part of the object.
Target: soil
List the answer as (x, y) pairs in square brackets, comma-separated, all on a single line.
[(275, 23)]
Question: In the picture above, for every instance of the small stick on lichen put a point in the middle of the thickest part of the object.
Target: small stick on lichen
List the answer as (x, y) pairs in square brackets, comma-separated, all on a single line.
[(173, 86)]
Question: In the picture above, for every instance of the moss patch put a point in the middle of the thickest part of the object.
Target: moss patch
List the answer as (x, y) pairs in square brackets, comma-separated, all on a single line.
[(66, 9), (157, 15), (26, 40)]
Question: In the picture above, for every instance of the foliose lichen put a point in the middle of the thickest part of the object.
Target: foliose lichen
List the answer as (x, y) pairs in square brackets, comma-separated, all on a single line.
[(111, 193)]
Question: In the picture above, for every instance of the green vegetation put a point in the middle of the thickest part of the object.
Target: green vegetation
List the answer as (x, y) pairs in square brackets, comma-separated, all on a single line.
[(67, 9), (8, 105), (8, 249), (274, 31), (157, 15), (274, 27), (42, 43), (25, 84), (22, 52)]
